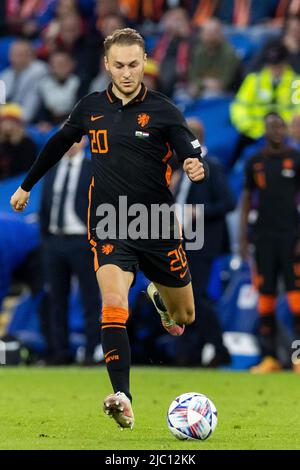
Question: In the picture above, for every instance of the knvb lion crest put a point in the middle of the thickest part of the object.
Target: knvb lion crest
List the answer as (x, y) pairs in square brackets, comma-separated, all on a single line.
[(143, 119), (107, 249)]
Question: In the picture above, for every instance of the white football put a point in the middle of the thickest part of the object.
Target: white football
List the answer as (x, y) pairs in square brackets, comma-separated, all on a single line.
[(192, 416)]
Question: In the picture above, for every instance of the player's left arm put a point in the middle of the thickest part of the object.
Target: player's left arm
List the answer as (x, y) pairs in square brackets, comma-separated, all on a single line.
[(187, 147)]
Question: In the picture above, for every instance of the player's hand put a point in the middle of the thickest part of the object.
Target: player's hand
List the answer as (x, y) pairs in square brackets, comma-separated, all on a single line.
[(19, 200), (194, 169)]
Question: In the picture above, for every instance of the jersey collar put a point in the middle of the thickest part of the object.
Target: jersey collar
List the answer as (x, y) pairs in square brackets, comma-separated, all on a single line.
[(281, 152), (139, 98)]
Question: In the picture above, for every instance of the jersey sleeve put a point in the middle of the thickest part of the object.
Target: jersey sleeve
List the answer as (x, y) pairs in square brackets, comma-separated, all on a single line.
[(75, 120), (51, 153), (249, 182), (181, 139), (297, 165)]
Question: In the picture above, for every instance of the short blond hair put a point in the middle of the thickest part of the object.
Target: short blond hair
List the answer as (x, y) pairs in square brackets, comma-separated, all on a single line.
[(126, 37)]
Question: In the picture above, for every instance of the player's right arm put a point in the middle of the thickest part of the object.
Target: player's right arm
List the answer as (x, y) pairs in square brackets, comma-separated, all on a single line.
[(54, 150), (245, 209)]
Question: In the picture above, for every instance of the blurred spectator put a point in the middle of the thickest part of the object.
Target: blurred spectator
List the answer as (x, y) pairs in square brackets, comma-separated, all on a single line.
[(294, 133), (293, 7), (243, 13), (59, 89), (60, 9), (216, 196), (22, 77), (85, 48), (285, 9), (101, 81), (66, 7), (139, 11), (151, 74), (63, 217), (17, 150), (214, 64), (22, 16), (110, 23), (172, 51), (105, 9), (271, 89), (136, 11), (205, 10), (240, 13), (290, 38)]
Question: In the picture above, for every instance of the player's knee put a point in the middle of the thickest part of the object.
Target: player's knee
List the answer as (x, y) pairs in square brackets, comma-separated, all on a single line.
[(190, 316), (184, 316), (114, 299)]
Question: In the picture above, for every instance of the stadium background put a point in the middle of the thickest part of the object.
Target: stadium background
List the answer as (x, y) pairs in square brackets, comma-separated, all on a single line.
[(230, 284)]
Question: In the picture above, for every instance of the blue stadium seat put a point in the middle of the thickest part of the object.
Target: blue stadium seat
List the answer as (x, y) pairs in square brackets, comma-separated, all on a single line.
[(249, 41), (25, 325), (18, 238), (40, 138), (150, 43), (242, 44)]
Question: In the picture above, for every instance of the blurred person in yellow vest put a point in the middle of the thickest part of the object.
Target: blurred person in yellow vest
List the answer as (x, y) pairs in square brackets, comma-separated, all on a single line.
[(273, 89)]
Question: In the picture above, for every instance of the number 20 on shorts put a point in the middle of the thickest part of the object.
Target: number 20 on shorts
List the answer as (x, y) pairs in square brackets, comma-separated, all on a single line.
[(179, 260)]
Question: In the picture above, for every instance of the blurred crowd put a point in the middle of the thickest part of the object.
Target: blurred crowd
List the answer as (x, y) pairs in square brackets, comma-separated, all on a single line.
[(56, 47)]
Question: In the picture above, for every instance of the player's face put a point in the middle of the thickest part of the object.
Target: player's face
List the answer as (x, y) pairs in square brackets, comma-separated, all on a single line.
[(125, 64), (275, 130)]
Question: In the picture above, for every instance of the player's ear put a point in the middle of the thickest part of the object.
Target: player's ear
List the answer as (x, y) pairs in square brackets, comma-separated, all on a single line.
[(106, 63), (145, 58)]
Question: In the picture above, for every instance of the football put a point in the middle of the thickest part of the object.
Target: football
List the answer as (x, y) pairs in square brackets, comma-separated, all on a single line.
[(192, 416)]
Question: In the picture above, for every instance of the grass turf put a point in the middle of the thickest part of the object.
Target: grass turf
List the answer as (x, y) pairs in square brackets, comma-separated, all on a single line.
[(59, 408)]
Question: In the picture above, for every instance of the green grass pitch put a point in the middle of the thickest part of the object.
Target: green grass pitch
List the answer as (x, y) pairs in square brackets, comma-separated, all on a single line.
[(60, 408)]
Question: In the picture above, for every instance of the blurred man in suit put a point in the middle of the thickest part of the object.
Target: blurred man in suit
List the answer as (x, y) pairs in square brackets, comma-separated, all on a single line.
[(217, 199), (63, 217)]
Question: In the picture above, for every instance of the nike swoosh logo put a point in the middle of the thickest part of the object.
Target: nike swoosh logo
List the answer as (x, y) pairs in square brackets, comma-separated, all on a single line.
[(109, 352), (183, 274), (94, 118)]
